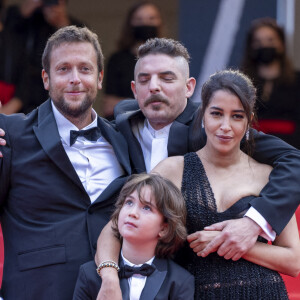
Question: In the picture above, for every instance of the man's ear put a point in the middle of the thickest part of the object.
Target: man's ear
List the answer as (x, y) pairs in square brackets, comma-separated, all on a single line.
[(46, 79), (133, 88), (100, 80), (190, 85)]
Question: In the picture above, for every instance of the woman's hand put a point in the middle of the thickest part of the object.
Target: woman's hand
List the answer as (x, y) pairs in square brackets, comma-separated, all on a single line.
[(200, 239)]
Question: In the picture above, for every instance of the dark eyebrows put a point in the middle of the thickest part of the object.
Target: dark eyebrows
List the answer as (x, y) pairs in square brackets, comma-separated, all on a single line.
[(168, 73), (142, 75), (161, 73), (220, 109), (216, 108)]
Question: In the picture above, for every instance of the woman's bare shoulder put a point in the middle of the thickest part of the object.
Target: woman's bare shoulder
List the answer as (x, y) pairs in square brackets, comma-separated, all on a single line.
[(170, 168), (169, 164)]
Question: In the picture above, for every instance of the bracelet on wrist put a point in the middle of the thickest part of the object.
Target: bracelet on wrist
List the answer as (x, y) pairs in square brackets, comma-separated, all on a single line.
[(107, 264)]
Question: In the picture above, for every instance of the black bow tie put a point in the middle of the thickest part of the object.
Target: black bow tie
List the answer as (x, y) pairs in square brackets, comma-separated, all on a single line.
[(91, 134), (127, 271)]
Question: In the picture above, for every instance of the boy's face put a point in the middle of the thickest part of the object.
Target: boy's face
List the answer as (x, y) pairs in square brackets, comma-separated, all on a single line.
[(141, 223)]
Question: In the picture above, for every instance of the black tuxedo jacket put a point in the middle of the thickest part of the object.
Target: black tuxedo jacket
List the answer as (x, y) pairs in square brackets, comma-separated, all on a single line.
[(49, 225), (280, 197), (168, 281)]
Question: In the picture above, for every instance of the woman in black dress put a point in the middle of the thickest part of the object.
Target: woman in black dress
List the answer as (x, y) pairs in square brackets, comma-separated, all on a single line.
[(218, 183)]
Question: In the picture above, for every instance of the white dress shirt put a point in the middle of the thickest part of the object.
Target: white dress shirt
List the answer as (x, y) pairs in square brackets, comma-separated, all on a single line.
[(254, 215), (94, 162), (136, 281), (154, 143)]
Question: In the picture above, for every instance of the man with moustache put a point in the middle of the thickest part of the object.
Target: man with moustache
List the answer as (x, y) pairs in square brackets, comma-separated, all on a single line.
[(160, 124), (62, 170)]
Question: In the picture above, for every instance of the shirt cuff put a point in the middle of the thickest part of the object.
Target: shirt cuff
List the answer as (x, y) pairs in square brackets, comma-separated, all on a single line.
[(268, 232)]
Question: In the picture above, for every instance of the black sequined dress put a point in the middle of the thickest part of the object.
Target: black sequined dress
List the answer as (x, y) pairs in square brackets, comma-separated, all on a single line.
[(216, 277)]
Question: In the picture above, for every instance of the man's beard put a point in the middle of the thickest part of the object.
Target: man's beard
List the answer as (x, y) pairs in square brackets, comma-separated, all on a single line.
[(73, 112)]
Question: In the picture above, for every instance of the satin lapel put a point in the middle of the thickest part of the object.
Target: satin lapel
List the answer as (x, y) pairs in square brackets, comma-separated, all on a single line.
[(135, 150), (118, 143), (124, 285), (178, 139), (124, 288), (155, 281), (179, 136), (48, 136), (188, 114)]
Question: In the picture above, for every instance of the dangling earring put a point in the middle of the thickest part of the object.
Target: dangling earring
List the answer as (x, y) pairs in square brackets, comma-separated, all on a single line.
[(247, 134), (202, 124)]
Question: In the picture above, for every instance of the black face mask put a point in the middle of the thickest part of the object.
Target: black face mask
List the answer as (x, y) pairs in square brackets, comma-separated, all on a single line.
[(143, 33), (265, 55)]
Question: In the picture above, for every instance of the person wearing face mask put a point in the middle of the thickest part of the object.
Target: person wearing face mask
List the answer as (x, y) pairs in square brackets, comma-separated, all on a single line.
[(143, 22), (277, 82)]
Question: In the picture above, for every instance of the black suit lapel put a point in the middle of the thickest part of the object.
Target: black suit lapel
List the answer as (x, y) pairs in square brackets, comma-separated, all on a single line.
[(155, 281), (47, 133), (124, 283), (178, 139), (180, 136), (135, 151), (124, 288), (118, 143)]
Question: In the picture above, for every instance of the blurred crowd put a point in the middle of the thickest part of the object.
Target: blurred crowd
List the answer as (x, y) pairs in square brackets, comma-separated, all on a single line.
[(24, 30)]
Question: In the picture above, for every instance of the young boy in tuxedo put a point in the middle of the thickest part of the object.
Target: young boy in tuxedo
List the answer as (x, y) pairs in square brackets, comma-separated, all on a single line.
[(150, 221)]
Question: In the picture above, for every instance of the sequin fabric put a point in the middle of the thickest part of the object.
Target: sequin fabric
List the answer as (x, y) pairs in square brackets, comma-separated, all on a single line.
[(216, 277)]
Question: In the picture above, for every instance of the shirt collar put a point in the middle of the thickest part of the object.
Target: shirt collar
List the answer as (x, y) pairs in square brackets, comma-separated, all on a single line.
[(164, 132), (64, 125), (127, 262)]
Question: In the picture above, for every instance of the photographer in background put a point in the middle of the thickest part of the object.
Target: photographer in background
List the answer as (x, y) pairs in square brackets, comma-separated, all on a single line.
[(34, 21)]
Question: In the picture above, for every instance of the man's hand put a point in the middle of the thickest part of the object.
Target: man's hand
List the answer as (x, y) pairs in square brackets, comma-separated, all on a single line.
[(110, 286), (2, 141), (200, 239), (234, 240)]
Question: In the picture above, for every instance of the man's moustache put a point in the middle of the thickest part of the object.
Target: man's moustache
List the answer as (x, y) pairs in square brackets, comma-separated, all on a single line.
[(153, 99)]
